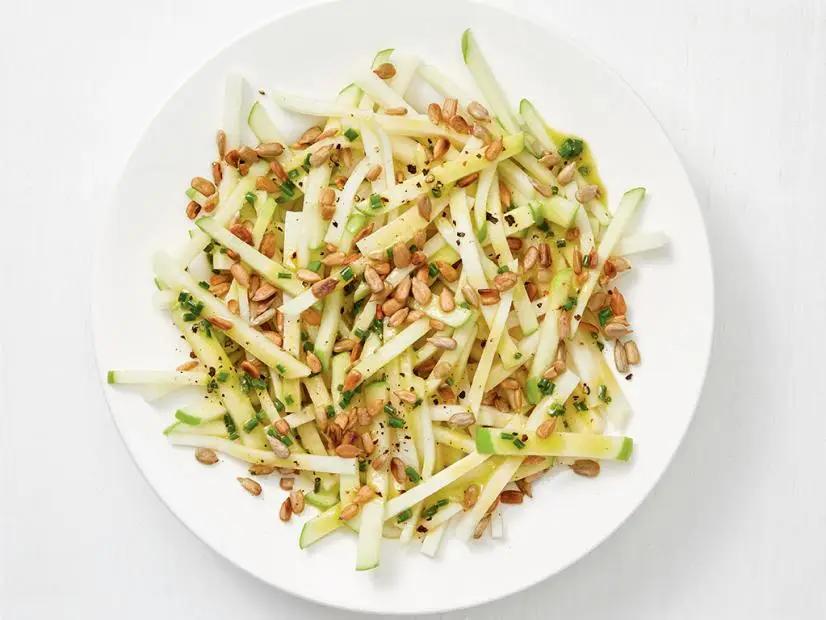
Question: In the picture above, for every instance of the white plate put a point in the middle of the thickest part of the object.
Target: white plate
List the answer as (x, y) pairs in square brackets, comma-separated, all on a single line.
[(316, 52)]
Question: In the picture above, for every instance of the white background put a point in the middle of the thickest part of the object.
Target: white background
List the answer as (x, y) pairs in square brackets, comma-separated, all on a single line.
[(737, 526)]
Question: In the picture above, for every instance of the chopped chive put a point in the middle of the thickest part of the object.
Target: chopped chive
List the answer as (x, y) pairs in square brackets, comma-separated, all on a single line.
[(351, 134), (375, 201), (560, 243), (304, 336), (517, 355), (331, 412), (466, 306), (316, 485), (557, 410), (442, 502), (603, 393), (396, 422), (554, 189), (544, 226), (190, 317), (250, 424), (362, 465), (571, 147), (280, 368), (519, 443), (404, 515), (584, 170), (437, 192), (604, 316), (432, 270), (503, 269), (347, 274), (293, 174), (546, 386), (390, 409), (430, 511), (507, 436), (204, 285), (222, 376), (412, 474), (261, 416), (580, 406), (283, 275), (569, 304), (182, 297), (289, 399), (250, 197), (359, 333), (418, 403), (307, 346), (314, 265), (285, 440), (279, 406), (231, 430)]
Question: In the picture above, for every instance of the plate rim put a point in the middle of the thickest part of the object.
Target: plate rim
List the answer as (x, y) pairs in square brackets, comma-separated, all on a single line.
[(104, 222)]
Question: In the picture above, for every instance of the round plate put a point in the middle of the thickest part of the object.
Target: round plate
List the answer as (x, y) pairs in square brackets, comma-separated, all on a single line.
[(315, 52)]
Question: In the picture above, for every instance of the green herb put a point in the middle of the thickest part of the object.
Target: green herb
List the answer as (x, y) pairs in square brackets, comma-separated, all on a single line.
[(560, 243), (250, 197), (584, 170), (390, 409), (250, 424), (204, 285), (314, 265), (375, 201), (432, 270), (346, 397), (557, 410), (544, 226), (604, 316), (396, 422), (212, 386), (569, 304), (359, 333), (231, 430), (279, 406), (570, 147), (404, 515), (306, 163), (507, 436), (554, 189), (280, 368), (517, 356), (430, 511), (330, 410), (182, 297), (347, 274), (412, 474), (503, 269), (294, 174), (316, 485), (283, 275), (580, 406), (466, 306), (307, 346), (450, 381), (351, 134), (362, 465), (519, 443), (289, 399), (417, 403), (207, 327), (437, 192), (288, 189), (304, 336), (603, 393), (261, 416), (546, 386), (188, 316), (222, 376)]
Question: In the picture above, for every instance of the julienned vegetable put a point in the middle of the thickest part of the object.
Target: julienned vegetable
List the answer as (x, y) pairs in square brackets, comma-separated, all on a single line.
[(399, 307)]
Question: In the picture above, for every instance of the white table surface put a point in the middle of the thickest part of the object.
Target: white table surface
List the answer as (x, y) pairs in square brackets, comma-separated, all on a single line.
[(737, 526)]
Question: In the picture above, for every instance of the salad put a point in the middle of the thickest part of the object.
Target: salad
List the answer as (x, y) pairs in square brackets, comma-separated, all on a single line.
[(406, 315)]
